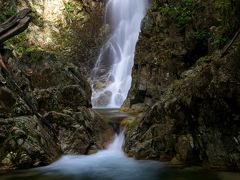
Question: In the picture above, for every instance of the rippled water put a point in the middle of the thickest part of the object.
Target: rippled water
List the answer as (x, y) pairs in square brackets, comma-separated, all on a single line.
[(113, 164)]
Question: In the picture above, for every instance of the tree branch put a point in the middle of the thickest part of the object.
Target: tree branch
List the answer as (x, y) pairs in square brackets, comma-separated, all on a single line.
[(230, 43), (14, 25)]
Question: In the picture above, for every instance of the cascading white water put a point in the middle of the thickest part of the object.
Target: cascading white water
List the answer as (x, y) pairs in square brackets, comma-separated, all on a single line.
[(111, 77), (110, 163)]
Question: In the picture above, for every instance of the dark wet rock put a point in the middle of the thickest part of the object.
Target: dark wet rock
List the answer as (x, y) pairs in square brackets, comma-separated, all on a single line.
[(26, 142), (58, 98), (12, 104), (166, 48), (79, 132), (39, 84), (7, 101), (104, 99), (188, 94), (197, 119), (49, 83), (45, 110), (159, 60)]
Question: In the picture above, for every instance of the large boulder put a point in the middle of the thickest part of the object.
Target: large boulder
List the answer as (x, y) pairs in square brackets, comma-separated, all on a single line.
[(48, 83), (47, 102), (26, 142), (42, 89), (82, 132)]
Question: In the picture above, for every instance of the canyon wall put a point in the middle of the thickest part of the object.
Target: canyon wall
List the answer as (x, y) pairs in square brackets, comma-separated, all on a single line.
[(45, 101), (186, 92)]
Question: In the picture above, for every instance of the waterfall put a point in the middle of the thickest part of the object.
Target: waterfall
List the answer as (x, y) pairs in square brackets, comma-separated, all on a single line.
[(111, 76), (110, 163)]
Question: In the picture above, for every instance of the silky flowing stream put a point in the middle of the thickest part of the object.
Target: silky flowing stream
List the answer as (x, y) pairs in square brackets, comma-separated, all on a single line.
[(111, 77), (113, 164)]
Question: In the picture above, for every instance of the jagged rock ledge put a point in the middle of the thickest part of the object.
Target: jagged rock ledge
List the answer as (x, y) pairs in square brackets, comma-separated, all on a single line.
[(186, 93), (45, 112)]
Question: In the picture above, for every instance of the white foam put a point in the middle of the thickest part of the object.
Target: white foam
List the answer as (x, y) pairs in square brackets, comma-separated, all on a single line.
[(110, 163), (113, 68)]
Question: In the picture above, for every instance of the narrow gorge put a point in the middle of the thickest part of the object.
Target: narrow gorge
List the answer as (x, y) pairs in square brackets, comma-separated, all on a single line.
[(120, 89)]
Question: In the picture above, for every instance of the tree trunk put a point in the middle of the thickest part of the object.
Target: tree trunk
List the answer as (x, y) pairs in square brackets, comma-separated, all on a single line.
[(14, 25)]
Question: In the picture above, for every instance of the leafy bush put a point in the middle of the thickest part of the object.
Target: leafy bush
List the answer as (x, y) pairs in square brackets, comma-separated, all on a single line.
[(224, 7), (229, 12), (220, 41), (201, 35), (182, 12), (6, 11)]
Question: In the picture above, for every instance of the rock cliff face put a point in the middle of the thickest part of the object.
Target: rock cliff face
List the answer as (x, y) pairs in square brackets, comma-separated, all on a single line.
[(71, 29), (46, 112), (174, 35), (190, 94), (45, 106)]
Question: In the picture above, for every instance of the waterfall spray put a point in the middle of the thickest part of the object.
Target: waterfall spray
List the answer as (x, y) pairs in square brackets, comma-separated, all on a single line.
[(111, 76)]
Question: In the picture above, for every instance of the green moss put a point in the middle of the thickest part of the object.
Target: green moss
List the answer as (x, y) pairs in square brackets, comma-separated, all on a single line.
[(73, 11), (19, 44)]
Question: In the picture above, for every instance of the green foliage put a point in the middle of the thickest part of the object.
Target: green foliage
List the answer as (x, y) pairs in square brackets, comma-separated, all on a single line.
[(184, 20), (229, 12), (186, 3), (182, 12), (224, 8), (19, 44), (37, 19), (73, 11), (6, 12), (78, 40), (70, 7), (220, 41), (201, 35)]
